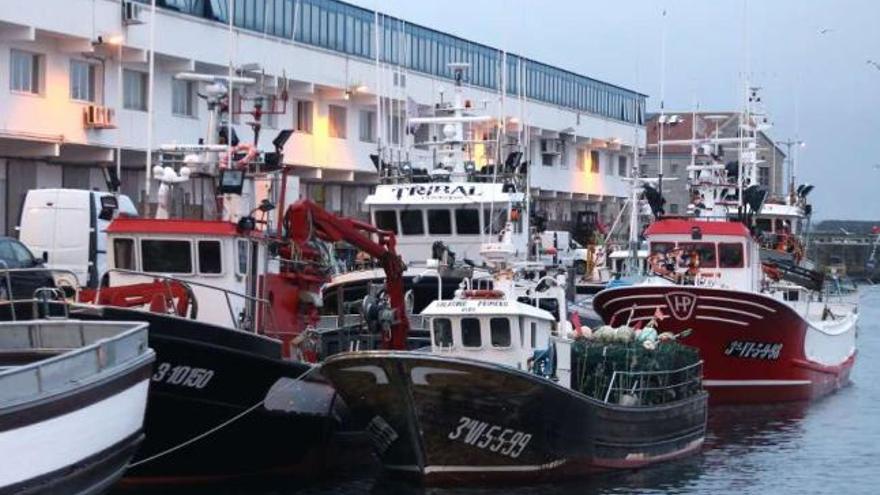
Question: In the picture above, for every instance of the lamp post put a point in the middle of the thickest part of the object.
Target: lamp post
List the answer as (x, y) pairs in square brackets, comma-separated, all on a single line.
[(118, 41)]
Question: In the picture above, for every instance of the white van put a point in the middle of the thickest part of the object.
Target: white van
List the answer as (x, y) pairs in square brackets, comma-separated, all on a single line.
[(67, 228)]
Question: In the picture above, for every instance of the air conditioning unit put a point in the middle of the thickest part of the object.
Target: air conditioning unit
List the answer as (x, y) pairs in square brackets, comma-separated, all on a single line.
[(98, 117), (550, 147), (132, 12)]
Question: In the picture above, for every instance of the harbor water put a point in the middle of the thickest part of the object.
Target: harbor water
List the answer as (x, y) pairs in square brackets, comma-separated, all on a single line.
[(830, 446)]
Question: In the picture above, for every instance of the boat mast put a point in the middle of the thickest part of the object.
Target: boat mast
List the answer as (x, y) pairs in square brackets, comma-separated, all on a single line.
[(662, 119)]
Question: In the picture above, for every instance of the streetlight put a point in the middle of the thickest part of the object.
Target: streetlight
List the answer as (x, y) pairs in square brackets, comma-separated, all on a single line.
[(117, 40)]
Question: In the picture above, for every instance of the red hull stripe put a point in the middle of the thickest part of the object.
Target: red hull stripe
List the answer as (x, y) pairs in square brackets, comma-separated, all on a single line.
[(124, 225)]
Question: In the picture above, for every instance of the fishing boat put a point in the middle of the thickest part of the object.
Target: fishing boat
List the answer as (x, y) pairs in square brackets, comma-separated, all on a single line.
[(505, 393), (765, 327), (222, 314), (72, 401)]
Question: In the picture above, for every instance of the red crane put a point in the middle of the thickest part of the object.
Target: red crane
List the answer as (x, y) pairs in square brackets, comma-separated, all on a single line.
[(304, 272)]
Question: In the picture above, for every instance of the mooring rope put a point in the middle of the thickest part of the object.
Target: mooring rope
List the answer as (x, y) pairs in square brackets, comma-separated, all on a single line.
[(219, 427)]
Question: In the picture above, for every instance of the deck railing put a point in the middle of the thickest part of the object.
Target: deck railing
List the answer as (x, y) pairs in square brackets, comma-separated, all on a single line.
[(654, 387)]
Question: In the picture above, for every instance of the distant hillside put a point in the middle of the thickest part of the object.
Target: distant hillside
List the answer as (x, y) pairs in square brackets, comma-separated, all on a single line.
[(853, 226)]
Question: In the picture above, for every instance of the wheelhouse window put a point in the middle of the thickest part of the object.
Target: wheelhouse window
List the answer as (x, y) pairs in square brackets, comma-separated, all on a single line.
[(467, 221), (704, 251), (533, 334), (494, 220), (166, 256), (442, 332), (662, 247), (386, 220), (411, 222), (242, 245), (730, 255), (123, 253), (470, 332), (499, 329), (210, 260), (439, 222)]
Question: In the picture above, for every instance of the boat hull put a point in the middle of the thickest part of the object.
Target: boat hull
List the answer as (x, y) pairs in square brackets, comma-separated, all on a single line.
[(223, 404), (77, 443), (755, 349), (451, 420)]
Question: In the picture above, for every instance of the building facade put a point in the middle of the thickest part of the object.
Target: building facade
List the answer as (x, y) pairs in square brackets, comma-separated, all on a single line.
[(77, 96), (704, 125)]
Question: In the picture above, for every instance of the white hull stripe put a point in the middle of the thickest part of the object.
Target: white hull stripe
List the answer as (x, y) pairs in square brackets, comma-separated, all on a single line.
[(731, 310), (755, 383), (722, 320), (635, 309), (479, 469), (627, 298), (53, 444), (738, 301)]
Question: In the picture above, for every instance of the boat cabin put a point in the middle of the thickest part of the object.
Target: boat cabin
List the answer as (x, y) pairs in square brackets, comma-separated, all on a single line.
[(211, 256), (462, 215), (489, 328), (717, 253)]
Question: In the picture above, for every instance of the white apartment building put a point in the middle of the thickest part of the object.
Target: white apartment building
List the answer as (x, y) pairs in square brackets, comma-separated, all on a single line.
[(75, 87)]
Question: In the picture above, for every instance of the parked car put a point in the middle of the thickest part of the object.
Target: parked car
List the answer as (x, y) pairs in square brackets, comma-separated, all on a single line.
[(23, 284)]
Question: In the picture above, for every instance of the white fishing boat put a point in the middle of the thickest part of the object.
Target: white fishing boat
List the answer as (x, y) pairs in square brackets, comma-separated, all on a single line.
[(72, 400)]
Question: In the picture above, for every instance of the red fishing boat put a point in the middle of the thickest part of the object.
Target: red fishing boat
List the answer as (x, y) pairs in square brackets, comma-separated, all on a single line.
[(766, 327)]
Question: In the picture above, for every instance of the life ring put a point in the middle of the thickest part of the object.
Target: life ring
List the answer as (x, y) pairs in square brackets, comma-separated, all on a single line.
[(250, 153)]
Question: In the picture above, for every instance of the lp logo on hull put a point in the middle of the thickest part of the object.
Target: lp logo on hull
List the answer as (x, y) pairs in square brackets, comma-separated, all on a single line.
[(681, 304)]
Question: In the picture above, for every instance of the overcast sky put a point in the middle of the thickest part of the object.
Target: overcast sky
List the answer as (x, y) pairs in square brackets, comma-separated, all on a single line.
[(817, 87)]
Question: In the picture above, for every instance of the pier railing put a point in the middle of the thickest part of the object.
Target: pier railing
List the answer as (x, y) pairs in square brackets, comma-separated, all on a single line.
[(634, 388)]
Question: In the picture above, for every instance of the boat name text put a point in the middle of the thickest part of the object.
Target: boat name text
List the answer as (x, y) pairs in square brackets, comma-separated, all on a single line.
[(183, 375), (754, 350), (483, 435), (435, 191)]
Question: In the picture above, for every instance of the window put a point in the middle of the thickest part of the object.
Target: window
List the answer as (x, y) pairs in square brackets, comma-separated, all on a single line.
[(547, 160), (581, 158), (533, 334), (439, 222), (16, 254), (764, 176), (26, 72), (123, 254), (368, 126), (386, 220), (494, 220), (242, 246), (336, 121), (470, 332), (166, 256), (730, 255), (662, 247), (500, 332), (134, 90), (183, 98), (467, 222), (622, 166), (210, 261), (411, 222), (442, 332), (302, 118), (82, 81), (594, 161), (705, 252)]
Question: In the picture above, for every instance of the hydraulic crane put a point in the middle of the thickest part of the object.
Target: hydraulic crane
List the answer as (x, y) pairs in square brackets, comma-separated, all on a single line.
[(303, 269)]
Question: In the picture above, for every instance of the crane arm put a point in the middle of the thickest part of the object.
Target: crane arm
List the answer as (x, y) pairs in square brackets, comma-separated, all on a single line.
[(306, 219)]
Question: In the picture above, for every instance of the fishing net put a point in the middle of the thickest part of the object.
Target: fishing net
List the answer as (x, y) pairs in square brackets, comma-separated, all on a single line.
[(666, 373)]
